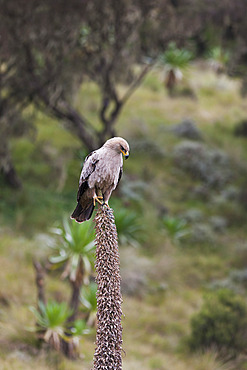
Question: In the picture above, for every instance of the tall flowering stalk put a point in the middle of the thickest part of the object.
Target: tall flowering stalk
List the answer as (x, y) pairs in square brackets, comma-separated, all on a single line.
[(109, 329)]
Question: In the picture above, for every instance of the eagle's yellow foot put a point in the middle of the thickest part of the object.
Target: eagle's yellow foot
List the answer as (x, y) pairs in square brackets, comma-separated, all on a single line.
[(97, 199), (106, 204)]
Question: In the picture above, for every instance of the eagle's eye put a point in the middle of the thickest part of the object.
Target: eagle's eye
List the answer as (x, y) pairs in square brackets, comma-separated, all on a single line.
[(122, 149)]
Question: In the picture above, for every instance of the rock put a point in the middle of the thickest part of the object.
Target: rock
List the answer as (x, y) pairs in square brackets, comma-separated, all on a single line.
[(187, 129)]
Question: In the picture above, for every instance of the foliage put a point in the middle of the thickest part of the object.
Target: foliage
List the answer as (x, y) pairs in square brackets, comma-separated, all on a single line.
[(52, 321), (218, 58), (187, 129), (89, 302), (175, 228), (187, 272), (128, 226), (53, 315), (201, 234), (88, 296), (53, 325), (76, 242), (175, 61), (212, 166), (132, 190), (79, 328), (175, 58), (221, 323), (44, 63)]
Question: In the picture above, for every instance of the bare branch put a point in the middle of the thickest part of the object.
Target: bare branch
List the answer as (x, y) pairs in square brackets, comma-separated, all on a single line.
[(40, 277), (136, 83)]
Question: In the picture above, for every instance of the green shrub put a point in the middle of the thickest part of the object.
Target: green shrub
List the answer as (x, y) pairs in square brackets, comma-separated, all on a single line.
[(211, 166), (221, 324)]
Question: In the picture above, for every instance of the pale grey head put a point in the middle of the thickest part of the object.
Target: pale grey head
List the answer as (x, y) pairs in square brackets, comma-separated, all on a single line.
[(119, 145)]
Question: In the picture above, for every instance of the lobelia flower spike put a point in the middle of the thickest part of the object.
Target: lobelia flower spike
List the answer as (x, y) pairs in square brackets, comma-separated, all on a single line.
[(109, 312)]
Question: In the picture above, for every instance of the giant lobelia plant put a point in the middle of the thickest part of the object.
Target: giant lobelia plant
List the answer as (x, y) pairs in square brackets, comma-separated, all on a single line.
[(109, 329)]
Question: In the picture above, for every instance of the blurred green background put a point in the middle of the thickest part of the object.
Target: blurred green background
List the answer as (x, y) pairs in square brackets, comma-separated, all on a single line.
[(169, 77)]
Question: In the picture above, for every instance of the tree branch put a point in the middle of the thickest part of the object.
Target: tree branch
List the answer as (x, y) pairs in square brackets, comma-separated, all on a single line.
[(40, 277), (76, 288), (136, 83), (76, 121)]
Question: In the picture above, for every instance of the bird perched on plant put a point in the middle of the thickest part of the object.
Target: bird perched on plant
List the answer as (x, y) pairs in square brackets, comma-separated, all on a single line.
[(100, 175)]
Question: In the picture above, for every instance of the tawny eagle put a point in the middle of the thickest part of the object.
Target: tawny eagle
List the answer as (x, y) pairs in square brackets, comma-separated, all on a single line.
[(100, 175)]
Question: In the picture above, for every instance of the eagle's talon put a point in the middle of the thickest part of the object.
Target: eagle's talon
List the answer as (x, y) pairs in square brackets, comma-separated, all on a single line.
[(97, 199)]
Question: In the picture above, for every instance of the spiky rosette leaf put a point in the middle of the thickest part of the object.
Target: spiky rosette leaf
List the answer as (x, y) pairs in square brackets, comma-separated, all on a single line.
[(76, 243)]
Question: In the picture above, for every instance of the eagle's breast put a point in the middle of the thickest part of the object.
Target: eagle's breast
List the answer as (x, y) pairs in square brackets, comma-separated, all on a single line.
[(106, 172)]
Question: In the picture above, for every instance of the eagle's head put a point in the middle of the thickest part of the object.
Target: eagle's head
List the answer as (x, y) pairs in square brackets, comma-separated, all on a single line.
[(119, 145)]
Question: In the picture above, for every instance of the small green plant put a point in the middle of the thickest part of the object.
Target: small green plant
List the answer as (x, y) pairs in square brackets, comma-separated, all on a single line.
[(218, 59), (76, 242), (89, 301), (53, 325), (52, 322), (175, 228), (79, 328), (174, 57), (128, 227), (174, 61), (221, 324)]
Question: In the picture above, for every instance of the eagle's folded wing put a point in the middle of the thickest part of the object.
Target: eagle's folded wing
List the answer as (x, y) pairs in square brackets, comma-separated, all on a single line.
[(89, 166), (120, 174), (87, 170)]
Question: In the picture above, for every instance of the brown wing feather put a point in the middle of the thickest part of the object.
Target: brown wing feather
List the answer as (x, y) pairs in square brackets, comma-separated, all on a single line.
[(85, 206), (120, 175), (87, 170), (89, 166)]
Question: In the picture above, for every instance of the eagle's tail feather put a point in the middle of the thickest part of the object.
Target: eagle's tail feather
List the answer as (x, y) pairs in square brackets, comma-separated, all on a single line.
[(82, 214)]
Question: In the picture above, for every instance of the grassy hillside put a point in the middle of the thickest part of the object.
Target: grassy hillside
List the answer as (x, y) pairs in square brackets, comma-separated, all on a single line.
[(166, 277)]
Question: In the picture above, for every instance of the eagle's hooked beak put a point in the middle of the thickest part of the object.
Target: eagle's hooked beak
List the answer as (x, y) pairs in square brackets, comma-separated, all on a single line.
[(125, 154)]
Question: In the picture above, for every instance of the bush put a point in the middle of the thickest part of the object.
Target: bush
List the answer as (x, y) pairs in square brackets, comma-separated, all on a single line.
[(211, 166), (221, 324), (187, 129)]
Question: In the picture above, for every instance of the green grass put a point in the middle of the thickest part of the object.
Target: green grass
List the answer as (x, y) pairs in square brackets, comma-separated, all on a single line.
[(176, 276)]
